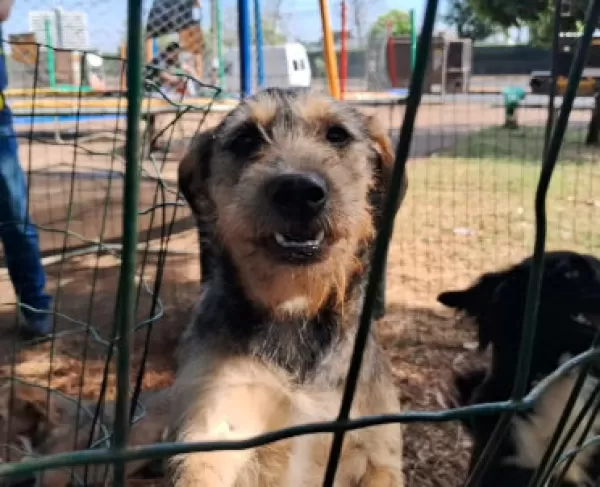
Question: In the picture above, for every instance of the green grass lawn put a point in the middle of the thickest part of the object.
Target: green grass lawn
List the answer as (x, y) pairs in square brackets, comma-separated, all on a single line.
[(523, 145)]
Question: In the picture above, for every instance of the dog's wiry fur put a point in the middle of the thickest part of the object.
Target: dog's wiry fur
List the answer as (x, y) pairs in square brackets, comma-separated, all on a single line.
[(58, 425), (272, 338)]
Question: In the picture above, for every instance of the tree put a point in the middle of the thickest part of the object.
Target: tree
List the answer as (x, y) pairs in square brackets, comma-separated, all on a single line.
[(542, 29), (399, 20), (468, 23), (337, 39), (509, 13)]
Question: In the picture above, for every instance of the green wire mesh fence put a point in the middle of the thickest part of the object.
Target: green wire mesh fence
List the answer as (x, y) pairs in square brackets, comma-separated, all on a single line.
[(83, 206), (136, 169)]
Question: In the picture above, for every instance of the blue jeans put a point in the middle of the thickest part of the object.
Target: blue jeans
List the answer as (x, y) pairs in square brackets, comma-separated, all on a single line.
[(19, 237)]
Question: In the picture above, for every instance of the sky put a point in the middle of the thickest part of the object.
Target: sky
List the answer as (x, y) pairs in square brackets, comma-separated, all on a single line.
[(107, 18)]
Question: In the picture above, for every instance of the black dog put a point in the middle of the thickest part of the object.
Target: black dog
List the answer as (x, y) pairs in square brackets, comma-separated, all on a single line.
[(570, 297), (568, 308)]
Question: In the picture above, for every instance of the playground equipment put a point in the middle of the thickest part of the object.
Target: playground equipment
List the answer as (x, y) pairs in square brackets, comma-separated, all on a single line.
[(329, 50), (449, 68), (58, 70)]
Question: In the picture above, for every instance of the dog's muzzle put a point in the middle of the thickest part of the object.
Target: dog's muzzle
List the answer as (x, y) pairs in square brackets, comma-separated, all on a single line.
[(298, 199)]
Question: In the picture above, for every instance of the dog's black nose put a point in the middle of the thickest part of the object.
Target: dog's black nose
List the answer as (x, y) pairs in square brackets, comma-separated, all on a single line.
[(298, 196)]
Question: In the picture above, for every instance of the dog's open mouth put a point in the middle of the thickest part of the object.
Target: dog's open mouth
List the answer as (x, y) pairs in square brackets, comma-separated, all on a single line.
[(300, 248)]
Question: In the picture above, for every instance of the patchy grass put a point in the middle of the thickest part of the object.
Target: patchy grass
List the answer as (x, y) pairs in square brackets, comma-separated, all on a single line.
[(523, 145), (481, 212)]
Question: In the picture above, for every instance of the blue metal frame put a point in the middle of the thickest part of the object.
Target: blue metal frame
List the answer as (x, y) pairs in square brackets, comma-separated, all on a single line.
[(245, 33)]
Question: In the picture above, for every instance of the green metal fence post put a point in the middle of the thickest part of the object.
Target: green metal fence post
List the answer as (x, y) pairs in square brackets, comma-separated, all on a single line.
[(220, 44), (126, 290), (51, 55)]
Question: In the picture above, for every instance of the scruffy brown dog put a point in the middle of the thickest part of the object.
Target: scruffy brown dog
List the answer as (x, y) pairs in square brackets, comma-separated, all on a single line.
[(288, 191), (41, 428)]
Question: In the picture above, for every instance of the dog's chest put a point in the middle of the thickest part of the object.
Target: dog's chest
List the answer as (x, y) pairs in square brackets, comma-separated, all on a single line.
[(297, 346)]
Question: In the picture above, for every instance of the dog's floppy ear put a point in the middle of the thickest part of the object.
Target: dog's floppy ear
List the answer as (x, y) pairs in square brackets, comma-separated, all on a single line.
[(476, 298), (456, 299), (385, 156), (194, 170), (480, 302)]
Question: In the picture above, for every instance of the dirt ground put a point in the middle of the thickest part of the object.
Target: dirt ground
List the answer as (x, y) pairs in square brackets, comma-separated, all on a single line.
[(423, 340)]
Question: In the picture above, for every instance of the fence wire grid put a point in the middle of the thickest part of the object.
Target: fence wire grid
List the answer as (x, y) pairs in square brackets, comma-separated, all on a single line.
[(126, 179)]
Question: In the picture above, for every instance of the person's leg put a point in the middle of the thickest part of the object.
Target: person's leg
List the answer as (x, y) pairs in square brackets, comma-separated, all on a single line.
[(20, 238)]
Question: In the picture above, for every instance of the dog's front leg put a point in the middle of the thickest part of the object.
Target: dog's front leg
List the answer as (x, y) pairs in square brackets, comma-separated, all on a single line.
[(379, 476), (384, 458), (211, 469), (238, 406)]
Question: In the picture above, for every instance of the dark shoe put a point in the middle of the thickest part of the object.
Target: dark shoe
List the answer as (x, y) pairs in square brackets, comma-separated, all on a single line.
[(37, 328)]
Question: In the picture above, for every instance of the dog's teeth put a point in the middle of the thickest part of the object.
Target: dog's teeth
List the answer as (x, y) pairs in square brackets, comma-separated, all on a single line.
[(285, 242), (280, 239)]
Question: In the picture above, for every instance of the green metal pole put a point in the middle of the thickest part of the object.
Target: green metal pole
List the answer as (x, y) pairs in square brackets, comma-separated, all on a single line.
[(125, 318), (220, 44), (413, 39), (51, 57)]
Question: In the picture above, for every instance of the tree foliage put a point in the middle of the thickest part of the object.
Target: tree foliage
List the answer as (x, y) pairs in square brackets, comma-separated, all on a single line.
[(469, 24), (399, 20), (541, 30), (509, 13)]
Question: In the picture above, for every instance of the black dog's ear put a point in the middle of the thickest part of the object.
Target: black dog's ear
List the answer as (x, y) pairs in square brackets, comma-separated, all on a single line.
[(194, 170), (456, 299), (475, 299), (479, 301)]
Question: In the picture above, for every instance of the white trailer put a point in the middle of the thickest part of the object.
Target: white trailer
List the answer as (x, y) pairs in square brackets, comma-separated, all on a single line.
[(285, 66)]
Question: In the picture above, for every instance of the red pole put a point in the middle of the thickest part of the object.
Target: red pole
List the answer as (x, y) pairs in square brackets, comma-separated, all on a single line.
[(392, 56), (344, 53)]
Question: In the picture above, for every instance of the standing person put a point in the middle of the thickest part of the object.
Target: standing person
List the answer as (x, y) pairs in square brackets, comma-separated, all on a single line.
[(19, 237)]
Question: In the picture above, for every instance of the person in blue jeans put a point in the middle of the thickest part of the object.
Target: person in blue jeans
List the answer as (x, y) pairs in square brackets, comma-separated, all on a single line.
[(18, 235)]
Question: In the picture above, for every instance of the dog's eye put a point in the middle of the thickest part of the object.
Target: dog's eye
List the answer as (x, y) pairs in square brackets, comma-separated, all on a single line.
[(246, 142), (338, 135)]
